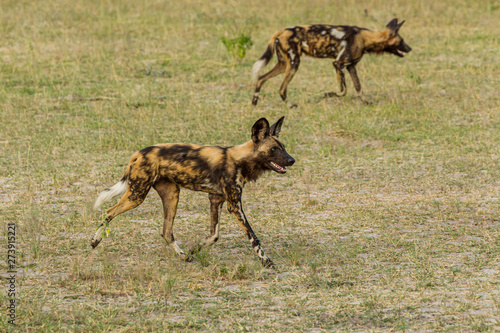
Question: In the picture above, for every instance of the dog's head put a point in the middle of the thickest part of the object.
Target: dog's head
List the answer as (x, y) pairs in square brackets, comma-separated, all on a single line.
[(270, 151), (395, 43)]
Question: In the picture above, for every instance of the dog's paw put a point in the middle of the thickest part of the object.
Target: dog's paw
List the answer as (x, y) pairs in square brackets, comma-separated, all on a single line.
[(186, 257), (268, 263), (366, 100), (334, 94), (95, 242)]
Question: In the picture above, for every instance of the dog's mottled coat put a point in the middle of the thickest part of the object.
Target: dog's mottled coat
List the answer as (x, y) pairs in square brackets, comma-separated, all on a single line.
[(222, 172)]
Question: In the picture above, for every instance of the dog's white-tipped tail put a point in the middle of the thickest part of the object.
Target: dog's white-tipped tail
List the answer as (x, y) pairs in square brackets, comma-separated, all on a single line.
[(264, 60), (111, 192), (257, 69)]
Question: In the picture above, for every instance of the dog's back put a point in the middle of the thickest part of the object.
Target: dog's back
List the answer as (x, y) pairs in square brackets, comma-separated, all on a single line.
[(191, 166)]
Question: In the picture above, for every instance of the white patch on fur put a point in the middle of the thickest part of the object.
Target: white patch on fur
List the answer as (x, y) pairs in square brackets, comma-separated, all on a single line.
[(211, 240), (98, 234), (305, 47), (343, 44), (176, 248), (259, 250), (292, 55), (323, 32), (109, 193), (240, 181), (257, 68), (292, 27), (337, 33)]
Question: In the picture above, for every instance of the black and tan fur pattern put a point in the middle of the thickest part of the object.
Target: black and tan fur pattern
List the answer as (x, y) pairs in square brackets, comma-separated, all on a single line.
[(219, 171), (345, 44)]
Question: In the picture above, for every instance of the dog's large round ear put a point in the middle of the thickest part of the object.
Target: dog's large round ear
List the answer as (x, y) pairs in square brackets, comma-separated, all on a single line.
[(393, 26), (276, 127), (260, 130)]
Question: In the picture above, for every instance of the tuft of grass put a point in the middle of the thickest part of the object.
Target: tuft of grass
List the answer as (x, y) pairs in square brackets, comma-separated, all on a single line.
[(203, 257), (239, 272), (167, 283)]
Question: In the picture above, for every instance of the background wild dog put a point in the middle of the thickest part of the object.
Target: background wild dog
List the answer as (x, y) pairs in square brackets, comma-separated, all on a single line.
[(220, 171), (345, 44)]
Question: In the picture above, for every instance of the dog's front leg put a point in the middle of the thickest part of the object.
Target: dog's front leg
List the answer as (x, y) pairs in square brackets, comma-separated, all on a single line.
[(341, 78), (357, 84), (234, 207)]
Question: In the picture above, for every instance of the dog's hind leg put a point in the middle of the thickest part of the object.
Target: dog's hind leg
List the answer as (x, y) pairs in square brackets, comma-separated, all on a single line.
[(357, 84), (292, 66), (341, 79), (133, 197), (169, 194), (277, 70)]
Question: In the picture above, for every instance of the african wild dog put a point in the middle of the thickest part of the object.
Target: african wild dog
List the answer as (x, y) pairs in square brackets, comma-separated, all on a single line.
[(345, 44), (220, 171)]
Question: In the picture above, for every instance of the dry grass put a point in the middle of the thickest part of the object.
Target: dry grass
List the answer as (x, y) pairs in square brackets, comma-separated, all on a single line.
[(387, 222)]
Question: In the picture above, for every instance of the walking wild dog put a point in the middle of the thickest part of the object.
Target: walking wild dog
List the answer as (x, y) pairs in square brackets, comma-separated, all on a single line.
[(220, 171), (345, 44)]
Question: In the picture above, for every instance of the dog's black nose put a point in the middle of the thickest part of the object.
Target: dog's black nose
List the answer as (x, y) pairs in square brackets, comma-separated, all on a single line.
[(291, 161)]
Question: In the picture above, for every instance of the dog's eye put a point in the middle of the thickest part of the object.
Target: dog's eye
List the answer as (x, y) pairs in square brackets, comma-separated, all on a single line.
[(273, 149)]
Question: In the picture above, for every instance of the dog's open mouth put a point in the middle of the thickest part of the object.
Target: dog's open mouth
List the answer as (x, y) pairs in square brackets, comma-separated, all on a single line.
[(277, 168), (398, 52)]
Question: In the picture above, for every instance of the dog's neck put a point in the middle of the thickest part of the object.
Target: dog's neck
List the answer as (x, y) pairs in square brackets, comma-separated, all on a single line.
[(374, 41), (247, 161), (242, 152)]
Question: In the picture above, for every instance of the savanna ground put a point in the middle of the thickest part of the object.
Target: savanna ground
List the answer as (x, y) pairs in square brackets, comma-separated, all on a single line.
[(389, 220)]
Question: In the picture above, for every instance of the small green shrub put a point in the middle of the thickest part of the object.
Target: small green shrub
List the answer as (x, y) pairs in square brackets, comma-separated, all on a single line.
[(237, 46)]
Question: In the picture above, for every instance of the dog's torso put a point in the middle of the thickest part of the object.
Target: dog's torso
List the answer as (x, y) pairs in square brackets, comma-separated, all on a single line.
[(208, 169), (338, 42)]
